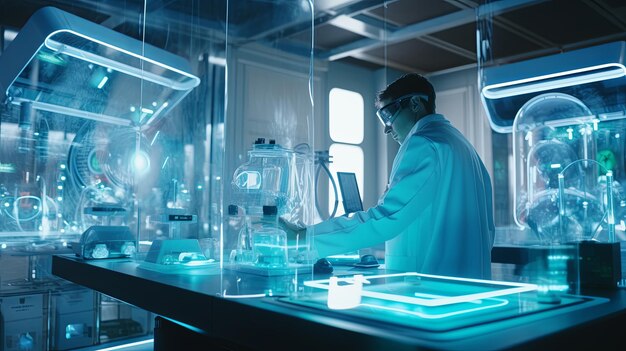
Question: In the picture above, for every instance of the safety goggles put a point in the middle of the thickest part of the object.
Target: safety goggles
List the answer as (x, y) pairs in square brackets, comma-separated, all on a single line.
[(388, 113)]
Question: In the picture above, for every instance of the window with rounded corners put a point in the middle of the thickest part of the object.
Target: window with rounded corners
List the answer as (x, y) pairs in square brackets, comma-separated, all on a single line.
[(345, 116)]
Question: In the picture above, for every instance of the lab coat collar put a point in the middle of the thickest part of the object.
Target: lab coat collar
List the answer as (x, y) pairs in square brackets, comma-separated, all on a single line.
[(427, 119), (434, 117)]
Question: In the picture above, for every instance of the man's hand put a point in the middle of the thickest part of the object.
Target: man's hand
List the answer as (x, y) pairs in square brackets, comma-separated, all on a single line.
[(297, 243), (294, 231)]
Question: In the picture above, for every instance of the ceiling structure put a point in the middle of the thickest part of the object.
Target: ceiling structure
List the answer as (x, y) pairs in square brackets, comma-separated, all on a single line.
[(426, 36)]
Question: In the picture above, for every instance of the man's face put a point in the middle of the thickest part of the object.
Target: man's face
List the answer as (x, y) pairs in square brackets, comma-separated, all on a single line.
[(397, 117)]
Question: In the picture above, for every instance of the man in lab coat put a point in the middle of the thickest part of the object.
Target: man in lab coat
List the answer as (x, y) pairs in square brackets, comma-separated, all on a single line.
[(436, 216)]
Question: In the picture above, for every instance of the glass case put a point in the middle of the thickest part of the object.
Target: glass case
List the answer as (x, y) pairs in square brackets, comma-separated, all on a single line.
[(133, 141), (111, 137), (565, 168)]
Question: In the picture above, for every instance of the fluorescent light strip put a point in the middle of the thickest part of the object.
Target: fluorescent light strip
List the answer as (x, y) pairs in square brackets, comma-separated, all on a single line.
[(125, 346), (554, 81), (118, 66), (195, 79), (42, 106), (103, 82), (246, 296)]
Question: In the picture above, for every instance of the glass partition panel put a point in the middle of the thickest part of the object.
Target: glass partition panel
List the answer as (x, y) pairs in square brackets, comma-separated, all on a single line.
[(84, 102), (269, 143)]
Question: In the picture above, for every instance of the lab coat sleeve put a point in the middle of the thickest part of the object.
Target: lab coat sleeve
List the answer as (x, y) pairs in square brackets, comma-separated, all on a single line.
[(412, 186)]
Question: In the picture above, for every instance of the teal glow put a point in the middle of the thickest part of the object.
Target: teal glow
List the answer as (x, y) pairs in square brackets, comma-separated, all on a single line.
[(481, 306), (7, 168), (129, 345), (104, 80), (476, 289), (141, 162), (243, 296), (51, 58), (198, 263), (452, 317)]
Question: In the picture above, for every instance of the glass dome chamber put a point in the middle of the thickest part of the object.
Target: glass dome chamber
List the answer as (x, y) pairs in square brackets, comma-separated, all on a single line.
[(567, 161)]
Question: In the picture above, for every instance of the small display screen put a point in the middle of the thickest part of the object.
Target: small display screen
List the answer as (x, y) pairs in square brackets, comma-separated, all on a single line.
[(180, 218), (349, 192)]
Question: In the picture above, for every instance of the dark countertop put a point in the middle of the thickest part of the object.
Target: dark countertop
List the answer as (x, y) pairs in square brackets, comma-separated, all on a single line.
[(196, 299)]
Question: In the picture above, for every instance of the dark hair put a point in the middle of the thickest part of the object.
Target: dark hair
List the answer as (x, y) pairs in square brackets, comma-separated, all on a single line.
[(406, 85)]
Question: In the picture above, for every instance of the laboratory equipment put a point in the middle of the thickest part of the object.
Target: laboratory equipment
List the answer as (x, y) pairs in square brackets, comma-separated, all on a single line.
[(73, 317), (22, 321), (99, 242), (322, 159), (264, 179), (560, 189), (429, 302), (349, 192), (269, 242), (176, 219), (273, 183), (346, 295), (567, 191), (175, 256), (323, 266), (368, 261)]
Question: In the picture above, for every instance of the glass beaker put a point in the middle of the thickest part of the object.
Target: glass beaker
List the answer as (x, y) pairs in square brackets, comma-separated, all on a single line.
[(269, 242)]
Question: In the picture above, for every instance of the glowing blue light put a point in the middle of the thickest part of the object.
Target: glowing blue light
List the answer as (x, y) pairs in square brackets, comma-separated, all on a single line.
[(506, 288), (129, 345), (245, 296), (104, 80), (555, 81), (502, 302), (140, 162)]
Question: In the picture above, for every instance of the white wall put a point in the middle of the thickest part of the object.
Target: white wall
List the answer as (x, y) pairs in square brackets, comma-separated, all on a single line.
[(458, 99)]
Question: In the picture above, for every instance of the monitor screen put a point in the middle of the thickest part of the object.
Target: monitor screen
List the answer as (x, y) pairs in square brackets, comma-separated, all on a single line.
[(349, 192)]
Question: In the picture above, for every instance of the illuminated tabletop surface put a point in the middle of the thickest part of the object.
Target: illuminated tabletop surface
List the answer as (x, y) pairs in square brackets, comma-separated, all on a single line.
[(399, 311)]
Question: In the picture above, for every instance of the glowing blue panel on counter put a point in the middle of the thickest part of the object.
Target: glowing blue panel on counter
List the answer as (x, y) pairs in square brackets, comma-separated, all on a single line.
[(439, 303), (430, 290)]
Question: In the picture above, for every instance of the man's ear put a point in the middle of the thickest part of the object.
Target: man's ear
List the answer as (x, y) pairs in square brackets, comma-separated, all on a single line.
[(417, 105)]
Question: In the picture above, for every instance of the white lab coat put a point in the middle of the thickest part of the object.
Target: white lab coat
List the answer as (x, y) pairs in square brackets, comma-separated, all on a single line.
[(436, 215)]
